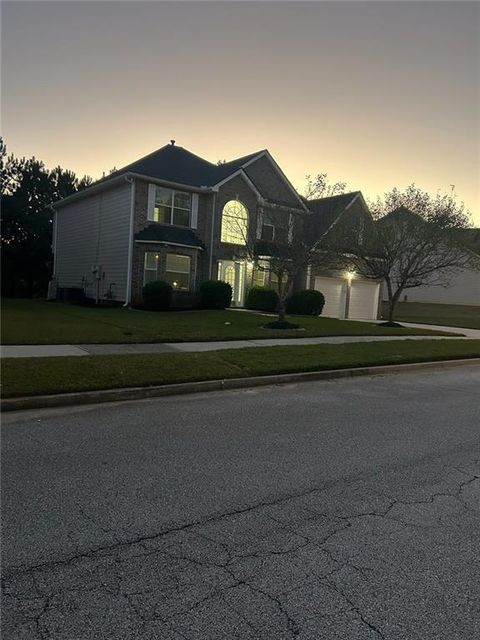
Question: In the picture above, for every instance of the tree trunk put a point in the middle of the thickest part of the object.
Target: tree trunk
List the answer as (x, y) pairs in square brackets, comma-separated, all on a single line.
[(281, 301), (391, 309), (392, 300)]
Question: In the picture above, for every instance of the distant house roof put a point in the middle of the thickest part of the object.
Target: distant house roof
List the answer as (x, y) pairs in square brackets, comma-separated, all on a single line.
[(326, 210), (168, 233), (472, 239)]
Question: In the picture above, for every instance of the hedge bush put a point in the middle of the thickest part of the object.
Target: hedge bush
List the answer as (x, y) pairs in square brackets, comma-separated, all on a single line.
[(307, 302), (215, 294), (157, 295), (262, 299)]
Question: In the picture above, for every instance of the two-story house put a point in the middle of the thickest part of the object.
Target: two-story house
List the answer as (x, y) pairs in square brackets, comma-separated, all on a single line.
[(171, 216), (174, 216)]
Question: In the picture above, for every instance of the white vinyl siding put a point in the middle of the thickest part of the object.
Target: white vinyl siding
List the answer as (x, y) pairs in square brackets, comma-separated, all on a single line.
[(363, 300), (334, 291), (95, 231), (463, 288)]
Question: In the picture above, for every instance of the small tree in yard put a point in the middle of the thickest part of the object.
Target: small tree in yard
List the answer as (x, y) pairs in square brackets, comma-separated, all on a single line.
[(417, 240), (286, 255)]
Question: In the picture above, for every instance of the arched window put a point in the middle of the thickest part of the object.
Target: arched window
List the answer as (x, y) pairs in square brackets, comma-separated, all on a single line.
[(234, 223)]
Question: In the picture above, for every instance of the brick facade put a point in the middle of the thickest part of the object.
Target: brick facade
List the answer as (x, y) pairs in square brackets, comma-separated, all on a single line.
[(210, 207)]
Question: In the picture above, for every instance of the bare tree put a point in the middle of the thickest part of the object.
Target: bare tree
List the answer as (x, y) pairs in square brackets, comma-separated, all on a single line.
[(285, 254), (320, 187), (417, 240)]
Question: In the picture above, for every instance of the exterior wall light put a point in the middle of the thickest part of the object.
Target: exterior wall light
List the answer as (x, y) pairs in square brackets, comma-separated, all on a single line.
[(350, 275)]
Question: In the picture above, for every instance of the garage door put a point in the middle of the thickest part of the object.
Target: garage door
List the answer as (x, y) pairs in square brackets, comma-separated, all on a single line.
[(363, 300), (334, 290)]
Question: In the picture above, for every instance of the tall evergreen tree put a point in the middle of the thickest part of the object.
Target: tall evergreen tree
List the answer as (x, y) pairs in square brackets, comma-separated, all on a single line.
[(27, 190)]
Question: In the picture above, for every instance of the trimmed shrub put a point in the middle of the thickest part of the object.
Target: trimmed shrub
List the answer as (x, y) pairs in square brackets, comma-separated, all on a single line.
[(157, 295), (215, 294), (307, 302), (262, 299)]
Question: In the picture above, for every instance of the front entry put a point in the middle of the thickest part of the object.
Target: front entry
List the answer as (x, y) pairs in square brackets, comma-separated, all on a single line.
[(233, 272)]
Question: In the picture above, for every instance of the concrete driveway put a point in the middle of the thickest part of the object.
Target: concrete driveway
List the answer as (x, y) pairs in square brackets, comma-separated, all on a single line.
[(344, 509)]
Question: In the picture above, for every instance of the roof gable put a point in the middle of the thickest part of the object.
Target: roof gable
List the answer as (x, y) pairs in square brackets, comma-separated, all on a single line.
[(326, 211)]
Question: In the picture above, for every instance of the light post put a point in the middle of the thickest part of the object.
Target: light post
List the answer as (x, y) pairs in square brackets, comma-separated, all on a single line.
[(349, 277)]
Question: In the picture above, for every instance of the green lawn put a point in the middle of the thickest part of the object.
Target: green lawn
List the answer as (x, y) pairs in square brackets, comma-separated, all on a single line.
[(36, 376), (450, 315), (40, 322)]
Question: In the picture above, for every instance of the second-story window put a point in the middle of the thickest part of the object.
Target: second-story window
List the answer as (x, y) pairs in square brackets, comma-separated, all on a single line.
[(172, 207), (275, 227), (234, 223)]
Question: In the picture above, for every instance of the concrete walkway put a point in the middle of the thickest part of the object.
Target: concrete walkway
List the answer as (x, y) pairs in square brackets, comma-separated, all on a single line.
[(59, 350)]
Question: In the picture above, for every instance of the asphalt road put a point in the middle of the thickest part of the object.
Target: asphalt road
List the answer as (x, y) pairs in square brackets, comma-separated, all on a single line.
[(344, 509)]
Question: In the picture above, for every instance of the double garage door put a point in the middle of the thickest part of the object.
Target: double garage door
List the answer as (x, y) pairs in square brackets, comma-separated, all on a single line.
[(363, 303)]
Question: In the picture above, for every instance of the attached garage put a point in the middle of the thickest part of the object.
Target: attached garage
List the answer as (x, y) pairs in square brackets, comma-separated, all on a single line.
[(363, 302), (335, 293)]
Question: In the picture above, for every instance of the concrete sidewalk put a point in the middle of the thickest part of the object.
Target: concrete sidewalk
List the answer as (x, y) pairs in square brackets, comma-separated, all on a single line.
[(59, 350)]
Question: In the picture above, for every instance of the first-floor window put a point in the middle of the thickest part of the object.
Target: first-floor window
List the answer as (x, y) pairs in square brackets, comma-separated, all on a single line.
[(150, 267), (261, 273), (177, 271), (274, 280)]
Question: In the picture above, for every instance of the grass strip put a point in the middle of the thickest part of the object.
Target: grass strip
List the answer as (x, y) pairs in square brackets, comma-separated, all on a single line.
[(40, 322), (448, 315), (38, 376)]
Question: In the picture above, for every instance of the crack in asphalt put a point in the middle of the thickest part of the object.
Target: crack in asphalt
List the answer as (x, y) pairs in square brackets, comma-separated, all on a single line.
[(343, 522)]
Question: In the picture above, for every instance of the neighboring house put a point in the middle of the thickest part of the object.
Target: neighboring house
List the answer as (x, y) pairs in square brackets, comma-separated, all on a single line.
[(174, 216), (460, 287)]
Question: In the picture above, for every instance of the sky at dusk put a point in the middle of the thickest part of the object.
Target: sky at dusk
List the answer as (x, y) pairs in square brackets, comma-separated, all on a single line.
[(377, 94)]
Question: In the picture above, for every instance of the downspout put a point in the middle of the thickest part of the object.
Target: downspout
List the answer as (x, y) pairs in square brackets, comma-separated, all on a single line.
[(53, 280), (128, 291), (54, 240), (309, 277), (210, 267)]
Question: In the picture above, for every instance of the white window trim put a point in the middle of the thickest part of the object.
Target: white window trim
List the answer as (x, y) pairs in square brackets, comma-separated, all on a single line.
[(192, 213)]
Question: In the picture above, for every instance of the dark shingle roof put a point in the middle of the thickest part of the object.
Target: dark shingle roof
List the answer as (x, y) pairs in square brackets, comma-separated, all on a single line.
[(168, 233), (226, 169), (176, 164), (326, 210)]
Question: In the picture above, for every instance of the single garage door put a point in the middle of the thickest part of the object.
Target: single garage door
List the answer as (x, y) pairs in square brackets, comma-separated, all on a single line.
[(364, 300), (334, 290)]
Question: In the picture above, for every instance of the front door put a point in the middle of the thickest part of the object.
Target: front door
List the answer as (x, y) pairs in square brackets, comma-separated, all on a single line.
[(233, 272)]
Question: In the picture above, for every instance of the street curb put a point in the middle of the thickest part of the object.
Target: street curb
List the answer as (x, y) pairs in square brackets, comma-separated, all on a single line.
[(140, 393)]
